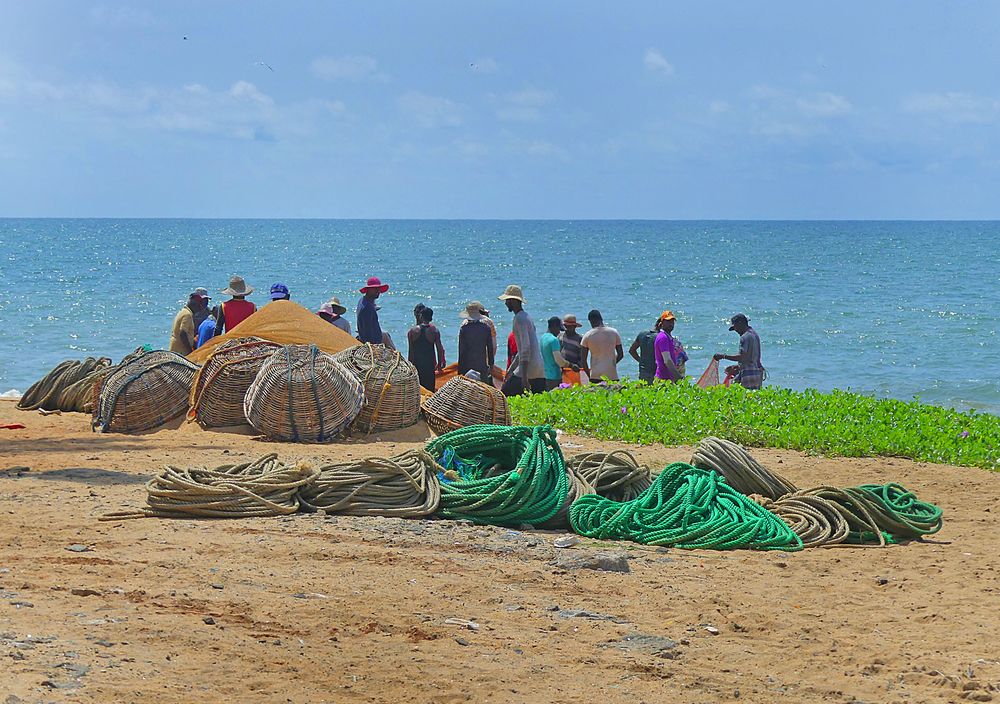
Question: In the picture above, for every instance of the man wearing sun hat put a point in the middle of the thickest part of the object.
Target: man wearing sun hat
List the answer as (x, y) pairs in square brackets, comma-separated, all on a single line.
[(236, 309), (369, 329), (570, 340), (527, 368), (484, 315), (477, 345), (333, 312)]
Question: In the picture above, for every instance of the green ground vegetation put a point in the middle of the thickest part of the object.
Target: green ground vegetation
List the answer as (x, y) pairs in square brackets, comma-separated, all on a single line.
[(840, 423)]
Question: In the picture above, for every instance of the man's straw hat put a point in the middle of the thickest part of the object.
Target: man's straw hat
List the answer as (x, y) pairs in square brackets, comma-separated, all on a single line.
[(474, 311), (512, 291), (237, 287), (334, 303), (569, 321)]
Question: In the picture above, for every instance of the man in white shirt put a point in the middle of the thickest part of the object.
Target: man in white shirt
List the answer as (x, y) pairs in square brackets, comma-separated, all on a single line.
[(603, 346), (527, 367)]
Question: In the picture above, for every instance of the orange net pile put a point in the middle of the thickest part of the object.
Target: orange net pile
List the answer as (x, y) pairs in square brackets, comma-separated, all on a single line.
[(286, 323)]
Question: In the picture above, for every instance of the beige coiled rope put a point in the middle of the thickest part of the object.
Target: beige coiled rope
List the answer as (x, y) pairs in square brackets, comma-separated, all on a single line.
[(263, 487), (401, 486), (614, 475), (741, 470)]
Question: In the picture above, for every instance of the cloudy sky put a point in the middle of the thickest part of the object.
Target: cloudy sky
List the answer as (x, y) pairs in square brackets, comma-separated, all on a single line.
[(500, 109)]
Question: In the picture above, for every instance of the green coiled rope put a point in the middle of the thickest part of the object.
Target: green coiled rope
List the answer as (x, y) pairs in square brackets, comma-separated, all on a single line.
[(505, 475), (685, 507)]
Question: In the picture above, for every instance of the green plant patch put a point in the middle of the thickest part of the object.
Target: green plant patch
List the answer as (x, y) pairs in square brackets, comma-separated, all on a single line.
[(840, 423)]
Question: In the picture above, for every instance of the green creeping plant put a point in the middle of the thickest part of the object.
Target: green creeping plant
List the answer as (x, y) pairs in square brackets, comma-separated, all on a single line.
[(840, 423)]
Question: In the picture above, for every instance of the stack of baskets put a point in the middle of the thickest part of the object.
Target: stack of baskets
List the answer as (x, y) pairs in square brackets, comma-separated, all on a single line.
[(303, 395), (392, 387), (220, 387), (143, 393), (462, 402)]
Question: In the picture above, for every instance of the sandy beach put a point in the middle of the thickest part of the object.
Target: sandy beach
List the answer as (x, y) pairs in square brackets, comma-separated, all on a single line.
[(309, 608)]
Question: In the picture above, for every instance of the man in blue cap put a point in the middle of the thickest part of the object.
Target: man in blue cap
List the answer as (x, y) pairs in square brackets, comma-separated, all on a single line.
[(279, 292)]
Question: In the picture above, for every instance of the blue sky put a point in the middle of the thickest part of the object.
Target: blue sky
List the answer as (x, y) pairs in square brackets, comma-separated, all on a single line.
[(500, 110)]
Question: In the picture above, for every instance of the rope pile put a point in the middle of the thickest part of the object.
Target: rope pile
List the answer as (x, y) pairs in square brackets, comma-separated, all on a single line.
[(501, 475), (614, 475), (68, 387), (404, 486), (685, 507), (823, 515), (741, 470), (263, 487)]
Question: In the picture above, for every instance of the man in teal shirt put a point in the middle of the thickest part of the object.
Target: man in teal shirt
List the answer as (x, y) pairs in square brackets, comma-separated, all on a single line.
[(552, 357)]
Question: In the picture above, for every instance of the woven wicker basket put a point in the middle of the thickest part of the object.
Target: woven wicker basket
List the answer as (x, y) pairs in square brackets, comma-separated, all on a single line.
[(462, 402), (143, 393), (392, 388), (219, 387), (302, 395)]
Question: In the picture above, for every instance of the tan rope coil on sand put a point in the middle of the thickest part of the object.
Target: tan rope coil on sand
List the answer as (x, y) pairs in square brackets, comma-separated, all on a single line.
[(68, 387), (741, 470), (814, 518), (578, 486), (614, 475), (263, 487), (401, 486)]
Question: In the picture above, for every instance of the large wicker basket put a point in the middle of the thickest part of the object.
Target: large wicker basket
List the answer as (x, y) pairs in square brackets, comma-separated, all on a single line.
[(302, 395), (220, 387), (144, 393), (461, 402), (392, 387)]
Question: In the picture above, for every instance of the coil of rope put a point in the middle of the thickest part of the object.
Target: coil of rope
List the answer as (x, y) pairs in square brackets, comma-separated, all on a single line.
[(263, 487), (401, 486), (578, 487), (614, 475), (685, 507), (68, 387), (823, 515), (741, 470), (502, 475)]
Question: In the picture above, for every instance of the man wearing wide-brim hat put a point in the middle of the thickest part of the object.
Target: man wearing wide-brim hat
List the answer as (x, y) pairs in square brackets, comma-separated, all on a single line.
[(571, 341), (484, 315), (369, 329), (477, 345), (236, 309), (526, 371), (333, 312)]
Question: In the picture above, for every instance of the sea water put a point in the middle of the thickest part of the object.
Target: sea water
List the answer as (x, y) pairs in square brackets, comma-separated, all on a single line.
[(898, 309)]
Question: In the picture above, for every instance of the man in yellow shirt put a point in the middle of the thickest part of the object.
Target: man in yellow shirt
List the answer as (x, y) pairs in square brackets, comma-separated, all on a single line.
[(182, 335)]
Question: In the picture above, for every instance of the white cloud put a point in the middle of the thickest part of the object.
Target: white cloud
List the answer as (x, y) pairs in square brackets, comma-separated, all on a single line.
[(954, 106), (348, 68), (522, 105), (824, 105), (484, 65), (656, 63), (122, 16), (430, 110), (244, 90)]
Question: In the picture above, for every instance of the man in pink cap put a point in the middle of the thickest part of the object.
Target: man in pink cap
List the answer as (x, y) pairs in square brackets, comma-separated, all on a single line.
[(368, 328)]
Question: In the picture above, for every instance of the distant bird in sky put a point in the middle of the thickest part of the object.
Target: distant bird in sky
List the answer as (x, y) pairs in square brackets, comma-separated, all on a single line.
[(184, 38), (264, 64)]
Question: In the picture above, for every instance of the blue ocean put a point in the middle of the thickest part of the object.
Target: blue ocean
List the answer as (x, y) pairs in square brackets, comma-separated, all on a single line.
[(897, 309)]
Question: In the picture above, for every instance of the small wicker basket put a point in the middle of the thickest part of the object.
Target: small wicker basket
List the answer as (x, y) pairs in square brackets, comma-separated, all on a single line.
[(220, 387), (461, 402), (143, 393), (302, 395), (392, 387)]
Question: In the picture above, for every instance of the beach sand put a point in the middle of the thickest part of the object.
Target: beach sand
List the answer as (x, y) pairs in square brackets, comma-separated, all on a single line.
[(313, 609)]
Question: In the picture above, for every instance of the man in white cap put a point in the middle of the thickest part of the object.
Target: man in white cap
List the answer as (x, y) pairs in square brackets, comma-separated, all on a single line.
[(182, 334), (527, 372), (477, 345)]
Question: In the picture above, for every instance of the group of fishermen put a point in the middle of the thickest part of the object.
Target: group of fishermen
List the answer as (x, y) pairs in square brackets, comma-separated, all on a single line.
[(534, 364)]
